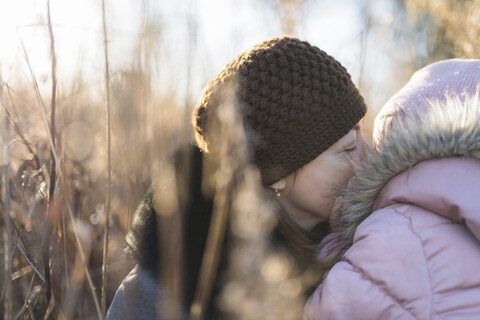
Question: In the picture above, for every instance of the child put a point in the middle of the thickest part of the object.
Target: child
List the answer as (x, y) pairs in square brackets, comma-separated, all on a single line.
[(410, 223)]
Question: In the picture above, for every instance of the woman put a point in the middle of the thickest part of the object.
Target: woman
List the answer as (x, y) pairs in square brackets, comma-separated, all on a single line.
[(299, 112), (410, 223)]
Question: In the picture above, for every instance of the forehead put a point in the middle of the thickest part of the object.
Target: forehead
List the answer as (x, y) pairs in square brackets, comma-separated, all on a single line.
[(345, 140), (332, 153), (330, 159)]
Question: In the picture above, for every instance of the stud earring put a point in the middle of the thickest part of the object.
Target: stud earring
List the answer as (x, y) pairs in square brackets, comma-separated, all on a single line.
[(277, 192)]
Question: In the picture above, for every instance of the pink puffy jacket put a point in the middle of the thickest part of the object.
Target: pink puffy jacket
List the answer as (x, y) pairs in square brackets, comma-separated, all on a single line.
[(417, 256)]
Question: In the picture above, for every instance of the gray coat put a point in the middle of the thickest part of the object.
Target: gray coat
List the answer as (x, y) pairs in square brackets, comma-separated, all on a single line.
[(135, 298)]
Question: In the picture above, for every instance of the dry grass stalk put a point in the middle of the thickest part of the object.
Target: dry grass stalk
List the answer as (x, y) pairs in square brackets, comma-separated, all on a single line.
[(80, 249), (18, 128), (169, 225), (213, 247), (52, 183), (109, 168), (7, 296)]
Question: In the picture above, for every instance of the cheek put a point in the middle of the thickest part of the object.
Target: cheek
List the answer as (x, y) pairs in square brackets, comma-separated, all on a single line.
[(332, 186), (344, 175), (339, 170), (317, 184), (324, 180), (319, 189), (307, 189)]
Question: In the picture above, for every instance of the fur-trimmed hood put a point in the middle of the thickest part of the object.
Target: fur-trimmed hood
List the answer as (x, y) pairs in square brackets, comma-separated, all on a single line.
[(449, 129)]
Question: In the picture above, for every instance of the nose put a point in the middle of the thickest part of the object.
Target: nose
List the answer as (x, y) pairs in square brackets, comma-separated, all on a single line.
[(362, 147)]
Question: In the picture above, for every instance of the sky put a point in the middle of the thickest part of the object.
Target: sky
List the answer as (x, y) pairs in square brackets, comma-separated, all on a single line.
[(191, 39)]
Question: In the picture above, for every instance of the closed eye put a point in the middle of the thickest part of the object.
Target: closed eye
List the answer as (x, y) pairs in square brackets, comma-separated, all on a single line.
[(352, 149)]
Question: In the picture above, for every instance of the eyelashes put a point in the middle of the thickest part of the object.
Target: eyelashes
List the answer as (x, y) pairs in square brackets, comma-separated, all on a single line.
[(350, 150)]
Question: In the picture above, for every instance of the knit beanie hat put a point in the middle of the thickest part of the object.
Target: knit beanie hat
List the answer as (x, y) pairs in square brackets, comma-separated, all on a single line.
[(457, 78), (295, 101)]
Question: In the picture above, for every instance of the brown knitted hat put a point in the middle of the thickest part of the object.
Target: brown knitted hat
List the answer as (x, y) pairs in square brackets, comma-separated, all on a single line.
[(296, 99)]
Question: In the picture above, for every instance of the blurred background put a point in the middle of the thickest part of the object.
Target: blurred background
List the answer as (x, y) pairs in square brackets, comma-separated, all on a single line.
[(159, 55)]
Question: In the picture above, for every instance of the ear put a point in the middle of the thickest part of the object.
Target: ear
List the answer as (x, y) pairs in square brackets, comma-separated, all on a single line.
[(279, 185)]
